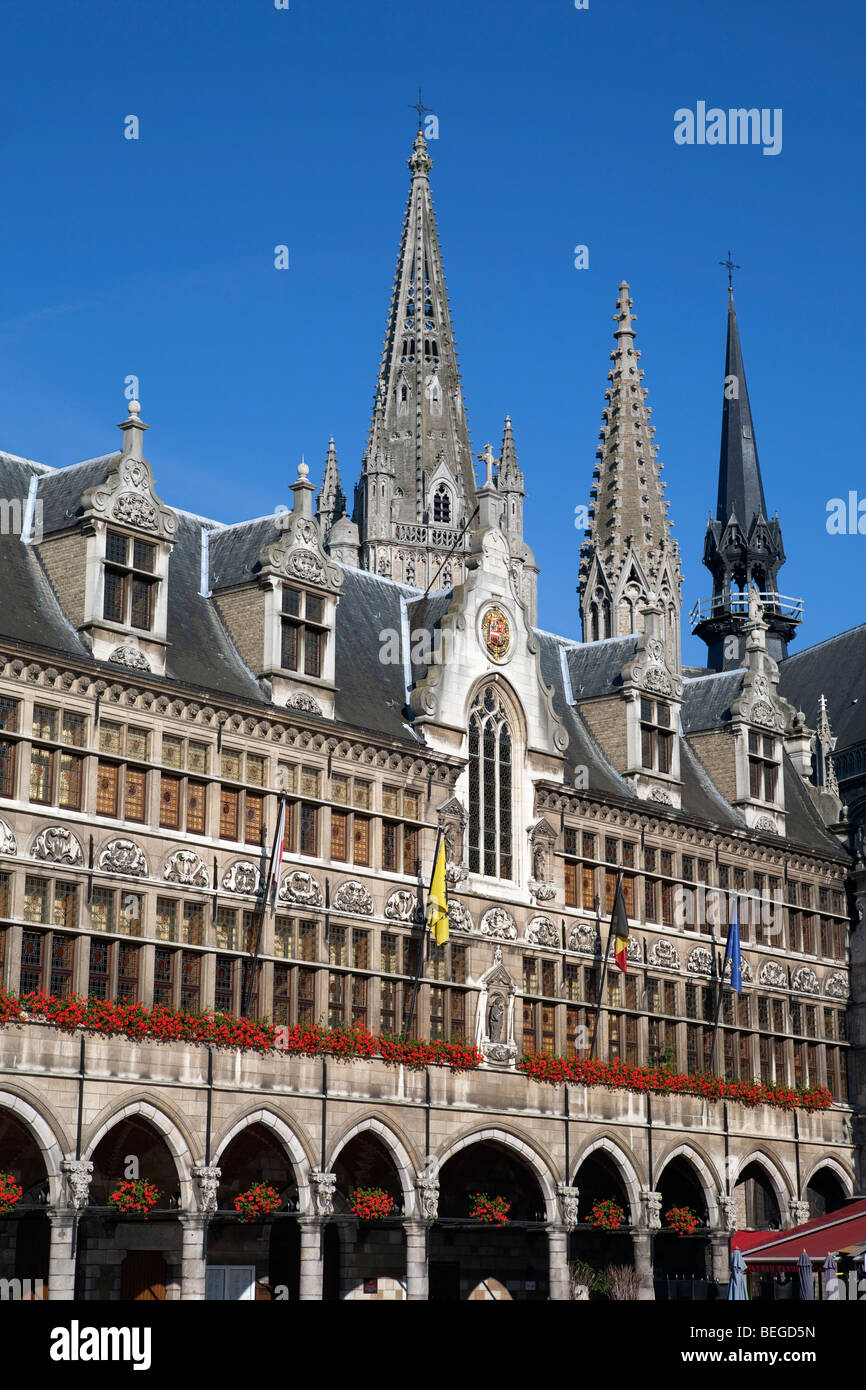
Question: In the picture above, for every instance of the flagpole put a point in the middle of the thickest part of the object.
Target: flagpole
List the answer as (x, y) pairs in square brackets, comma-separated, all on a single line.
[(266, 890), (604, 961), (721, 993), (422, 945)]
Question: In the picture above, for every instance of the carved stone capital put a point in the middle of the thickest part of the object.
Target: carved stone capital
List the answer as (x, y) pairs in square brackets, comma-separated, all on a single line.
[(323, 1185), (568, 1205), (728, 1211), (799, 1211), (427, 1190), (651, 1204), (78, 1173), (207, 1176)]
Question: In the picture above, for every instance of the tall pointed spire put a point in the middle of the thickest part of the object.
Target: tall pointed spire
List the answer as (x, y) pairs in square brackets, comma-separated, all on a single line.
[(628, 553), (743, 547), (331, 502), (741, 491), (417, 470)]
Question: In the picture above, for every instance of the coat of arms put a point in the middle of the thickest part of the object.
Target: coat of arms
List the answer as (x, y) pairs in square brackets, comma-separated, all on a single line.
[(496, 631)]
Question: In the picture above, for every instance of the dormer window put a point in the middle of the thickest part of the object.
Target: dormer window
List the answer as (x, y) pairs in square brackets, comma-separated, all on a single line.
[(130, 586), (303, 632), (763, 767), (656, 735)]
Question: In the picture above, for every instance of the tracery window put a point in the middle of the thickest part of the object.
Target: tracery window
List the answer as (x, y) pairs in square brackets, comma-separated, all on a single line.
[(442, 503), (490, 787)]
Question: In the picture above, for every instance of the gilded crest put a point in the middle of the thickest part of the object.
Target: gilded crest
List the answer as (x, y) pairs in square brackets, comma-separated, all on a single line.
[(496, 631)]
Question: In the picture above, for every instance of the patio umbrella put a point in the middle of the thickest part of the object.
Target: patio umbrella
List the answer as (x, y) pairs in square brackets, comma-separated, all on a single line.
[(804, 1277), (831, 1280), (737, 1287)]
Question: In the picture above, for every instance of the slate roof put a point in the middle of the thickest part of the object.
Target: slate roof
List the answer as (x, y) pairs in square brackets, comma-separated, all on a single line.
[(371, 693), (835, 668)]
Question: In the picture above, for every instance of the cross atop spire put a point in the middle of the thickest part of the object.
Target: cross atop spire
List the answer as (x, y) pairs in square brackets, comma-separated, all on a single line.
[(730, 267), (420, 108)]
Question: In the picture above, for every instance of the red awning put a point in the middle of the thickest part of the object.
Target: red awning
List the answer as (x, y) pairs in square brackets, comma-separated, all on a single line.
[(837, 1232)]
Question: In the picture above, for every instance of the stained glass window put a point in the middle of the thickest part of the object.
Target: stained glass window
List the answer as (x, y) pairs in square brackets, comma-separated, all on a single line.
[(490, 788)]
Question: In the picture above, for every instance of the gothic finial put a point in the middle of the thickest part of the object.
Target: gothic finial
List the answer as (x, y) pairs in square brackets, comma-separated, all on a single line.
[(420, 162), (730, 267), (623, 316)]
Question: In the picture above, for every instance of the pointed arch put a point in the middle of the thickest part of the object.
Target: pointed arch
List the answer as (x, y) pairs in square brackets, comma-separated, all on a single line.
[(707, 1176), (540, 1164), (44, 1133), (845, 1176), (624, 1164), (781, 1184), (398, 1147), (297, 1149), (167, 1126)]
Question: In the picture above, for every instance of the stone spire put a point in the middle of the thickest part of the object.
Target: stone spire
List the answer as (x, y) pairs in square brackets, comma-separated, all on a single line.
[(510, 483), (742, 547), (825, 772), (417, 486), (331, 502), (628, 556)]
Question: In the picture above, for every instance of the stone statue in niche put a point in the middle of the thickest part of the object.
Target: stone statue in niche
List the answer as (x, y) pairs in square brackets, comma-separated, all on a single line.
[(495, 1018), (539, 864)]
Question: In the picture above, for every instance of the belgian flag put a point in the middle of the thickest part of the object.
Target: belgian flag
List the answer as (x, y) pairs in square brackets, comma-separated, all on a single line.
[(619, 928)]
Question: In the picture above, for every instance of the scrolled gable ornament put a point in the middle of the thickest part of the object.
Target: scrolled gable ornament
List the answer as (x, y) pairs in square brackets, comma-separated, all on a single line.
[(300, 887), (663, 955), (187, 869), (242, 877), (497, 923), (8, 843), (57, 845), (353, 897), (542, 932), (805, 981), (459, 917), (700, 961), (836, 985), (402, 906), (772, 973), (123, 857)]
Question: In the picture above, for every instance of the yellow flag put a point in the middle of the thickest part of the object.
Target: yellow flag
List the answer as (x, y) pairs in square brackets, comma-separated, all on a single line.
[(437, 899)]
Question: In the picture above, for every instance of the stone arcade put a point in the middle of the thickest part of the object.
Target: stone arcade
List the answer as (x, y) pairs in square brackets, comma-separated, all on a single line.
[(163, 676)]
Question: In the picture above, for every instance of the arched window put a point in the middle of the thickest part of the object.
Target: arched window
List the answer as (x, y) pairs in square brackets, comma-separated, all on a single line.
[(442, 503), (490, 787)]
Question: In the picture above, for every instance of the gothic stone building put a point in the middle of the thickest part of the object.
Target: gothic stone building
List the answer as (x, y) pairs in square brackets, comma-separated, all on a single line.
[(163, 677)]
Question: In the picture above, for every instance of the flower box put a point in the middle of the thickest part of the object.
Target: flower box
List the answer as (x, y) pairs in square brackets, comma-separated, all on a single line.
[(258, 1201), (134, 1197), (493, 1211), (371, 1203)]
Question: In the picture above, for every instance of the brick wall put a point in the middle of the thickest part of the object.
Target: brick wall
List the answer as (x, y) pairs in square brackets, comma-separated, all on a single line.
[(607, 720), (716, 752), (64, 558), (244, 614)]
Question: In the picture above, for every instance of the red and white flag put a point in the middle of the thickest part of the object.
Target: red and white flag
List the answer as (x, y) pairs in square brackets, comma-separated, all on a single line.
[(276, 861)]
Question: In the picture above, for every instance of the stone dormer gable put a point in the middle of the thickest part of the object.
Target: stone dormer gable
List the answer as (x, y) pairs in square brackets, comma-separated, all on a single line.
[(638, 726), (745, 758), (109, 567), (280, 610)]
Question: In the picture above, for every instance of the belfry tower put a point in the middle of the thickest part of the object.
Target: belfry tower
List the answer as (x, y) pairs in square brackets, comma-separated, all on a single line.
[(416, 493), (628, 554), (742, 547)]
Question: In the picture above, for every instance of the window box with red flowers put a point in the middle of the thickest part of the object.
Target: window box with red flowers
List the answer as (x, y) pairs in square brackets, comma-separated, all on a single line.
[(607, 1215), (10, 1193), (258, 1201), (134, 1197), (370, 1203), (682, 1221), (491, 1210)]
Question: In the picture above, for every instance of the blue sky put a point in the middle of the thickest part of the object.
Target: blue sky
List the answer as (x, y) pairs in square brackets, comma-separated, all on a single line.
[(259, 127)]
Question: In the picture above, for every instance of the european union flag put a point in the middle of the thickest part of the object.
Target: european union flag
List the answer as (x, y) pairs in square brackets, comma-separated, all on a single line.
[(732, 953)]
